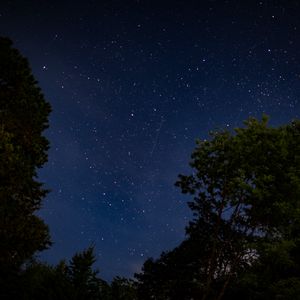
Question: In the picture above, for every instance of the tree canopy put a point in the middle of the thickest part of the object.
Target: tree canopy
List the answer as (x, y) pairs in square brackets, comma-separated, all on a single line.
[(23, 149), (245, 189)]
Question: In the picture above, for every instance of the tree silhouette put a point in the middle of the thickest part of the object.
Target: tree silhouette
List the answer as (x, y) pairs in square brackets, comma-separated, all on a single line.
[(84, 279), (245, 189), (76, 280), (23, 149), (123, 289)]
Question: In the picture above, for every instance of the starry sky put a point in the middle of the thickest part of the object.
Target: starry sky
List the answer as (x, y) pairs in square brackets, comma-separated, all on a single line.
[(132, 85)]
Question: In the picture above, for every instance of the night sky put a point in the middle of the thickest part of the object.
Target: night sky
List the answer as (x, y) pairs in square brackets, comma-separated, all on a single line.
[(132, 85)]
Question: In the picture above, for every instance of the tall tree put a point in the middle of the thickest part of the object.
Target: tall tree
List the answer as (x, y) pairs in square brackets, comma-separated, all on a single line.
[(246, 193), (84, 279), (23, 149), (245, 189)]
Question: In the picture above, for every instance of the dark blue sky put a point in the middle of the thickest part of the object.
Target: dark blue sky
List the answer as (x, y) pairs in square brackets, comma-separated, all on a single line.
[(132, 84)]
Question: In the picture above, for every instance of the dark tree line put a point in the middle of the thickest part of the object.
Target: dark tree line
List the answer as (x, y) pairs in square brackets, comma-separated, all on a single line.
[(74, 280), (242, 243)]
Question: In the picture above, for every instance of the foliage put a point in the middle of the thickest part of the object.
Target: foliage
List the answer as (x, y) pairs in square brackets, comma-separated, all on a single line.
[(123, 289), (172, 276), (84, 280), (23, 118), (76, 280), (246, 191)]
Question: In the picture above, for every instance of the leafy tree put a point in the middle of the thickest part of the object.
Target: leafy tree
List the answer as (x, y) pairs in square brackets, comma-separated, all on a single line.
[(246, 190), (23, 149)]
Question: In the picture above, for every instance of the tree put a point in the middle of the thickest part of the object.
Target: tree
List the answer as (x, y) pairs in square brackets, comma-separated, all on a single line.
[(23, 149), (42, 281), (84, 279), (123, 289), (246, 193), (65, 281), (245, 189), (172, 275)]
